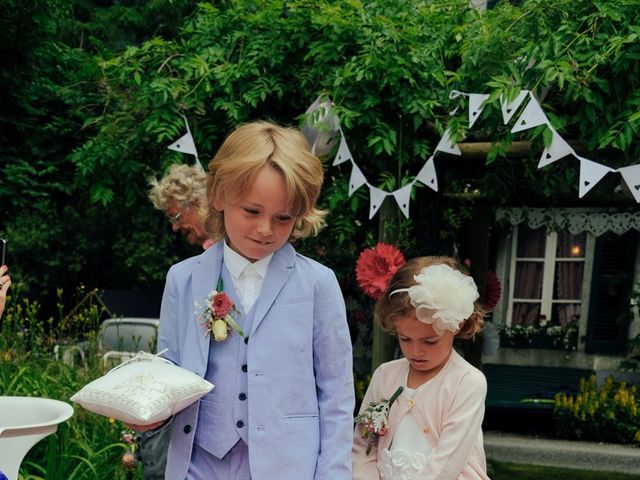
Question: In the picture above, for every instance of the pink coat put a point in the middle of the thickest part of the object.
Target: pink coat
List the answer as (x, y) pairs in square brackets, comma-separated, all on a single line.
[(450, 408)]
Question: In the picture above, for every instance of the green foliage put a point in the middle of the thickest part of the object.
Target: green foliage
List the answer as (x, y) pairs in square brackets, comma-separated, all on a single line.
[(95, 91), (604, 413), (86, 446), (561, 337), (60, 233)]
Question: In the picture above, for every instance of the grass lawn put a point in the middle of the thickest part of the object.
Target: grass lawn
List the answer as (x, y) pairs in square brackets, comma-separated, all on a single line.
[(511, 471)]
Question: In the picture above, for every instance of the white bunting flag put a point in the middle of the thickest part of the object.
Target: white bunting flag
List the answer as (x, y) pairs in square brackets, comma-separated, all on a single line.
[(357, 179), (343, 154), (532, 116), (590, 173), (427, 175), (184, 145), (559, 148), (475, 106), (446, 145), (631, 176), (377, 196), (509, 109), (403, 196)]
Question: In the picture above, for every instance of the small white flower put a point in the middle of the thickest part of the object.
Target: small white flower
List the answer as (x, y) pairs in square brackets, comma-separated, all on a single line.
[(220, 330)]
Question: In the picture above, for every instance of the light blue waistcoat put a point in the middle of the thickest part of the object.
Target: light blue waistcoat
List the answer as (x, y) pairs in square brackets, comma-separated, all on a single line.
[(223, 413)]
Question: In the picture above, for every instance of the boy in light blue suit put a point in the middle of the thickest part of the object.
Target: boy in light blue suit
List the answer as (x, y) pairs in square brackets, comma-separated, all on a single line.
[(283, 403)]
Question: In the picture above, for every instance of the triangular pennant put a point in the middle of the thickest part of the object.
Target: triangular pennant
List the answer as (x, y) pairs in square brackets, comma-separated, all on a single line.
[(475, 106), (446, 145), (184, 145), (558, 149), (343, 154), (377, 196), (532, 116), (590, 173), (357, 179), (631, 176), (509, 109), (403, 197), (427, 175)]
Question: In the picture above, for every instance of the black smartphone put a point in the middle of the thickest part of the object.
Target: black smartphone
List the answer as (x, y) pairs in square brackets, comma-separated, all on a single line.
[(4, 249)]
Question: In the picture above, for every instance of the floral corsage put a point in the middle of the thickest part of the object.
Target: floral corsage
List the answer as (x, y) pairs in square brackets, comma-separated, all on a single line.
[(374, 421), (217, 318)]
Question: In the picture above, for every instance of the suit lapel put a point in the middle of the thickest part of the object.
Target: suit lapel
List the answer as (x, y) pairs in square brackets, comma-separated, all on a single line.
[(203, 282), (280, 268)]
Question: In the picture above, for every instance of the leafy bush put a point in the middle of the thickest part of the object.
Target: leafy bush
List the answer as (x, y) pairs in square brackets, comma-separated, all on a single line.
[(94, 93), (606, 413), (86, 446)]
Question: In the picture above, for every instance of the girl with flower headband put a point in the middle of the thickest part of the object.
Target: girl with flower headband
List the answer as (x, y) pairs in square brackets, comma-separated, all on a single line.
[(266, 325), (433, 399)]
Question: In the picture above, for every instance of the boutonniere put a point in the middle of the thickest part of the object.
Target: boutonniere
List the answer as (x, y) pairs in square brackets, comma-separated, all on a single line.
[(374, 420), (217, 317)]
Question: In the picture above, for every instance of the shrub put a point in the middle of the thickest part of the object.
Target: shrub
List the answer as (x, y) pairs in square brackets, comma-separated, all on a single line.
[(605, 413), (86, 446)]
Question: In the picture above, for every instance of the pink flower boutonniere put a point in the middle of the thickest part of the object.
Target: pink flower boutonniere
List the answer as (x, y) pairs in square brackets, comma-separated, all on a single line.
[(217, 318), (374, 420)]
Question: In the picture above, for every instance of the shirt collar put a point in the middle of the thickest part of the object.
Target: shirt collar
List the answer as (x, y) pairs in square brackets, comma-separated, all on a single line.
[(236, 263)]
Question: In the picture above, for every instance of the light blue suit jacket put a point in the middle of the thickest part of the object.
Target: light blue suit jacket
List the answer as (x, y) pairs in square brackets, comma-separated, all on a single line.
[(300, 378)]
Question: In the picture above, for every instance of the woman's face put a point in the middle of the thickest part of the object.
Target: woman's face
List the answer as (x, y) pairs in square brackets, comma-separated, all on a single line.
[(186, 221)]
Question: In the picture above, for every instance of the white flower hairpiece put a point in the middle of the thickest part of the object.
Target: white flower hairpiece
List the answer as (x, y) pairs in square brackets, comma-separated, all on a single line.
[(442, 296)]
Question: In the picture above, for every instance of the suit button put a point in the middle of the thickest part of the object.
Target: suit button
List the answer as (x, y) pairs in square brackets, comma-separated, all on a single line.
[(187, 429), (242, 396), (246, 340), (244, 368), (239, 424)]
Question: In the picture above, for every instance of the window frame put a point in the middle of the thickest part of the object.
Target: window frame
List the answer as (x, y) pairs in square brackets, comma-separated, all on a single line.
[(549, 262)]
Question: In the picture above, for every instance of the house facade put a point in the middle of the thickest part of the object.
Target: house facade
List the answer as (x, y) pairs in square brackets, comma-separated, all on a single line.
[(568, 277)]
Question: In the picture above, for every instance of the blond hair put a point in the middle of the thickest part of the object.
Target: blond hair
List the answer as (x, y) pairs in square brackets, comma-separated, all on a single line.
[(388, 308), (245, 152), (186, 184)]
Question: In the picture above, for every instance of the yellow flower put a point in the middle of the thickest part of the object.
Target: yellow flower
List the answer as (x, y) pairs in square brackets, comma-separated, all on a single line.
[(219, 329)]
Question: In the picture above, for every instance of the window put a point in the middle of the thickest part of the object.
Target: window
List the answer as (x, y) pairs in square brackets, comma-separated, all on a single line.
[(547, 271)]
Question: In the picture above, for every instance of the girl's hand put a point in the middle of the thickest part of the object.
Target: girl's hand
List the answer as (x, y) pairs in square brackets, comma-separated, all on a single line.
[(145, 428)]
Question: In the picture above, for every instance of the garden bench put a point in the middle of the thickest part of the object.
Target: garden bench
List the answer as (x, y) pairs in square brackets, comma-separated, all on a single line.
[(529, 387)]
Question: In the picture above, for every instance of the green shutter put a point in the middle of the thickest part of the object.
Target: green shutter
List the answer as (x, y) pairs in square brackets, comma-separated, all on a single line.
[(613, 267)]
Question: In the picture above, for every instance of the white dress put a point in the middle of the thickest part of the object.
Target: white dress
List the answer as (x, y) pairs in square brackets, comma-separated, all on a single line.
[(409, 452)]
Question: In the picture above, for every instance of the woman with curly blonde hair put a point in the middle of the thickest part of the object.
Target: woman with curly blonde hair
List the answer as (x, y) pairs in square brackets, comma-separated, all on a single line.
[(182, 195)]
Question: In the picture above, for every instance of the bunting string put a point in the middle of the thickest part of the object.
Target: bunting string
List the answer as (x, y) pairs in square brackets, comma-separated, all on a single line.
[(322, 126)]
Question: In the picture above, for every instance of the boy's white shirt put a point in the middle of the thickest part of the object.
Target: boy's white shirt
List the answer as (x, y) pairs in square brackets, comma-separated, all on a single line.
[(450, 410), (247, 277)]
